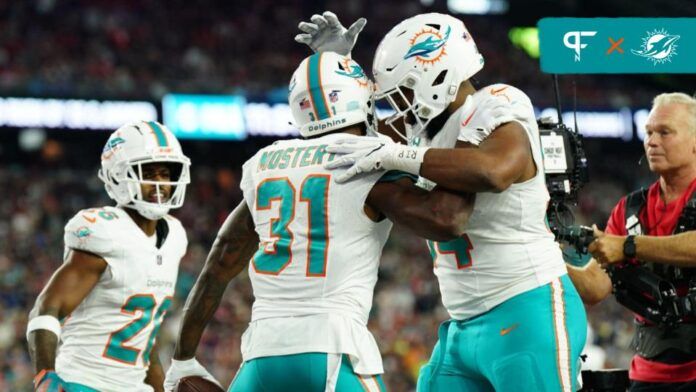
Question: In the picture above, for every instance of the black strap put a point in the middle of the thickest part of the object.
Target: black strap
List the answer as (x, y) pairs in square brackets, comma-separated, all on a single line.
[(634, 203), (161, 230), (687, 218)]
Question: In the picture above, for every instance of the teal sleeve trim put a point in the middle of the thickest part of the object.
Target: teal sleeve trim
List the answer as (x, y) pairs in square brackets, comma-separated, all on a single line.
[(395, 175), (574, 258)]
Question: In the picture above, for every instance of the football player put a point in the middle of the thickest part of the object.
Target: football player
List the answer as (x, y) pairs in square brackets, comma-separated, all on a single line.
[(314, 246), (94, 325), (517, 322)]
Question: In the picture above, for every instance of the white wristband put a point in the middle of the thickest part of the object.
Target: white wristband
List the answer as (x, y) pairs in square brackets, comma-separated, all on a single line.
[(46, 322), (407, 159)]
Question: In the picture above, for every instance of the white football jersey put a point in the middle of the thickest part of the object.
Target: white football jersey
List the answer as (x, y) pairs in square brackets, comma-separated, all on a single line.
[(106, 341), (314, 273), (508, 248)]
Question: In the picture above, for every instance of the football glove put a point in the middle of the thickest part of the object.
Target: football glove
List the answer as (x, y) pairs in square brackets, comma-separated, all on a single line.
[(367, 154), (325, 33), (576, 259), (48, 381), (186, 368)]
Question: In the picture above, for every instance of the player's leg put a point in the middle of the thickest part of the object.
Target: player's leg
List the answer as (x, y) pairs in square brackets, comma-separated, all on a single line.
[(535, 339), (346, 380), (298, 372), (448, 368)]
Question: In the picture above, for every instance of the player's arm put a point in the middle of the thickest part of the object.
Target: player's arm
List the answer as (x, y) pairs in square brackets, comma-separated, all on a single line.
[(499, 161), (235, 244), (438, 215), (592, 282), (155, 375), (66, 289)]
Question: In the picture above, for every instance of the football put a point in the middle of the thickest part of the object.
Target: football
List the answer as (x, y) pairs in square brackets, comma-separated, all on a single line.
[(196, 384)]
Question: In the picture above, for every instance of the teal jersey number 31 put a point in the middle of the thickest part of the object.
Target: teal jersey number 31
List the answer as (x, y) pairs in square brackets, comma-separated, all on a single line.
[(273, 257)]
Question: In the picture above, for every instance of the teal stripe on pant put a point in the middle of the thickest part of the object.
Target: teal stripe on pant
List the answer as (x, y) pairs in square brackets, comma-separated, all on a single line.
[(75, 387), (515, 346), (305, 372)]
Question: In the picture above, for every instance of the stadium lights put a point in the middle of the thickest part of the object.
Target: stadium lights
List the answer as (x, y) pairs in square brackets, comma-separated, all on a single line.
[(192, 116), (230, 117), (527, 39), (478, 7), (609, 124), (72, 113)]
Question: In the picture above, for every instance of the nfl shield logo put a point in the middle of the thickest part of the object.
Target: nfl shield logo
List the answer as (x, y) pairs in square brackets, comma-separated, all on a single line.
[(159, 259), (333, 96), (304, 104)]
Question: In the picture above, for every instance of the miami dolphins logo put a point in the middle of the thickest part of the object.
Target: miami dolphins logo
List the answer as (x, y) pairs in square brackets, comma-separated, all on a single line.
[(658, 47), (111, 144), (355, 73), (82, 233), (428, 46)]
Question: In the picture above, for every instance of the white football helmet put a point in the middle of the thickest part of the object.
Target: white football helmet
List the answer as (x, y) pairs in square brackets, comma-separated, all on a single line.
[(431, 55), (127, 150), (328, 92)]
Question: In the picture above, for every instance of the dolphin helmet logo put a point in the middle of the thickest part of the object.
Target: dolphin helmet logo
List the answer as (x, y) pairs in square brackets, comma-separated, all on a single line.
[(659, 46), (352, 70), (430, 49)]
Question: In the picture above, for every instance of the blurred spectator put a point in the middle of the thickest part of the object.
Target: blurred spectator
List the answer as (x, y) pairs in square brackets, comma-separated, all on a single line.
[(145, 49)]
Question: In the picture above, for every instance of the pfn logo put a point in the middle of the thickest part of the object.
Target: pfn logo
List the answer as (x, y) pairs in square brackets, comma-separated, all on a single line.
[(572, 40)]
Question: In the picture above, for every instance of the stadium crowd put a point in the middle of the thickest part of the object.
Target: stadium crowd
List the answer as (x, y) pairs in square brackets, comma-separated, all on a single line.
[(140, 49)]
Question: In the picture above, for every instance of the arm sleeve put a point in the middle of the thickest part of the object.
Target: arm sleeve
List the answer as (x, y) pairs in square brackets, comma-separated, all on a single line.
[(396, 175)]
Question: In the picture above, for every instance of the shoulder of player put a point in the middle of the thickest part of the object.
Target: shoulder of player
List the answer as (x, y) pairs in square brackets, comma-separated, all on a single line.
[(278, 144), (512, 93), (98, 216), (94, 229)]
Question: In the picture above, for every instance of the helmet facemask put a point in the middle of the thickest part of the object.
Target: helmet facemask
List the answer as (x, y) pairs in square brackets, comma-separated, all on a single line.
[(414, 115), (124, 183)]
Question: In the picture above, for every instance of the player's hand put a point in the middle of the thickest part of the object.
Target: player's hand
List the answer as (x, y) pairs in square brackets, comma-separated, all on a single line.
[(607, 248), (482, 114), (48, 381), (367, 154), (186, 368), (325, 33)]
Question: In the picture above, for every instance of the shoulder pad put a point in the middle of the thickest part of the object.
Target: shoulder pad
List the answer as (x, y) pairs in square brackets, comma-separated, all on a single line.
[(91, 230)]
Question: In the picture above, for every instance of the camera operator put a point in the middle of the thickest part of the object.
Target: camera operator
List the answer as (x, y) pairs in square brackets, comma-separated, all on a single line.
[(650, 242)]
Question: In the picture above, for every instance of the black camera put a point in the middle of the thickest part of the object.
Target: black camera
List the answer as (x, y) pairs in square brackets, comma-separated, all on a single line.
[(565, 167)]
